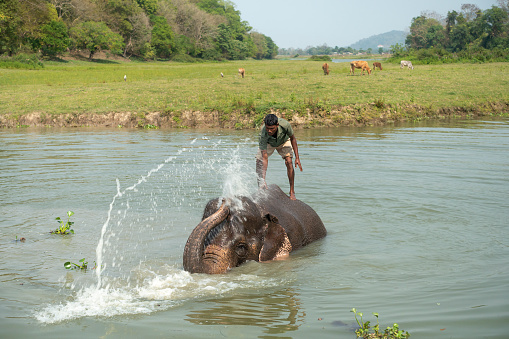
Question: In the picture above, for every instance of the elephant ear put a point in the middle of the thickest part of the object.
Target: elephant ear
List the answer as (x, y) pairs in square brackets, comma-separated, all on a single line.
[(276, 244)]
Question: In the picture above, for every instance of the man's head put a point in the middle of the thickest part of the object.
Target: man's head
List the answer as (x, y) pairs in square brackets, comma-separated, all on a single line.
[(271, 124)]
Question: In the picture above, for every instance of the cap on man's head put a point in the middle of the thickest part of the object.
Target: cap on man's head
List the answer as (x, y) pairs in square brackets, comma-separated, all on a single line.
[(270, 120)]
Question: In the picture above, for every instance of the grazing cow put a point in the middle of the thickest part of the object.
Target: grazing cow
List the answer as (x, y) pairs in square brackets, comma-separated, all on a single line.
[(377, 64), (359, 64), (407, 64), (325, 68), (242, 72)]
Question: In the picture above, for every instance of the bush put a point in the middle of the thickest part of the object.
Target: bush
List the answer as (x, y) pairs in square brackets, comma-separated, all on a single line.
[(438, 55), (21, 61), (184, 58), (435, 55), (320, 58)]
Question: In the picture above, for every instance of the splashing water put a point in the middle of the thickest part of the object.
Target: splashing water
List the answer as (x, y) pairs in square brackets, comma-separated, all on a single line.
[(99, 249), (133, 275), (237, 181)]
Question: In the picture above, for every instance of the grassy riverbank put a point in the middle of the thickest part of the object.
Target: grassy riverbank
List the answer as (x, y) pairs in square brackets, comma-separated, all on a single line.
[(80, 93)]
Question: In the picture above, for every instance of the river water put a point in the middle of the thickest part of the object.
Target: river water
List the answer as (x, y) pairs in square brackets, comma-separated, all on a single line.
[(417, 218)]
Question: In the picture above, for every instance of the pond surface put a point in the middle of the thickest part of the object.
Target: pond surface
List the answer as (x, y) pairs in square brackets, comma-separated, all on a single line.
[(417, 219)]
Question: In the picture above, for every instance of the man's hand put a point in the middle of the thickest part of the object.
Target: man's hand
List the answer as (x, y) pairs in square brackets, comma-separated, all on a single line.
[(297, 163)]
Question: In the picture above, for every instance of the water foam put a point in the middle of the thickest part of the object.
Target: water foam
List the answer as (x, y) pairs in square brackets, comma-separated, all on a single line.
[(159, 292)]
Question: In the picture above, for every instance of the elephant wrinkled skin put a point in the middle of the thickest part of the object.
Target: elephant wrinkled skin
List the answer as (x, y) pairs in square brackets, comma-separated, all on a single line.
[(264, 227)]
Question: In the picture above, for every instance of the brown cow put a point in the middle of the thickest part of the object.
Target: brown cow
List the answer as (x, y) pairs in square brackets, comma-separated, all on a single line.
[(325, 68), (359, 64), (242, 72), (377, 64)]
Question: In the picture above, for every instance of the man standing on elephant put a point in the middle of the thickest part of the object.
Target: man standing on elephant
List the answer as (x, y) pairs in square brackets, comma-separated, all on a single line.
[(277, 134)]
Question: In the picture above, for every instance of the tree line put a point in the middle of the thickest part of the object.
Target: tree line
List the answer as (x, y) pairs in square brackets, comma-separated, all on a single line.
[(147, 29), (466, 34), (326, 50), (469, 33)]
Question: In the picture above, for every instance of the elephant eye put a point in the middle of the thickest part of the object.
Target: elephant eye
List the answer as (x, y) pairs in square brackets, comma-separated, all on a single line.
[(241, 249)]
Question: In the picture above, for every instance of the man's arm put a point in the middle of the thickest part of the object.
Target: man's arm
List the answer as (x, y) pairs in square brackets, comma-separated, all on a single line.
[(293, 141)]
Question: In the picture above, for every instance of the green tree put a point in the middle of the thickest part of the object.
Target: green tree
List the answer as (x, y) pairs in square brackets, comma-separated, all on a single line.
[(233, 41), (20, 23), (425, 33), (10, 26), (149, 6), (95, 36), (398, 50), (450, 21), (55, 38), (162, 37), (459, 37), (272, 49), (123, 17), (260, 43), (435, 37), (496, 27), (224, 41)]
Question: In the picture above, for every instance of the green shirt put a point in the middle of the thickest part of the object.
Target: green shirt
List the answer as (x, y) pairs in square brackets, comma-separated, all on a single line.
[(284, 132)]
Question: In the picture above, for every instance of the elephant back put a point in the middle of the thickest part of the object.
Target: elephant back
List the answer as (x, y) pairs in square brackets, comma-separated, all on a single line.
[(301, 223)]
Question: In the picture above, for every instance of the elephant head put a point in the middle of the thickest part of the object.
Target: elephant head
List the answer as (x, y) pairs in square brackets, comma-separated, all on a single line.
[(232, 235), (248, 229)]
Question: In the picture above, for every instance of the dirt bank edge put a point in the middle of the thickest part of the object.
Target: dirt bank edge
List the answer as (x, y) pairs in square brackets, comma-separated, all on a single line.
[(373, 114)]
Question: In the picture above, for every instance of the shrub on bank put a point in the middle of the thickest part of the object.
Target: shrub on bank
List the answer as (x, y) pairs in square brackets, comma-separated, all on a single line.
[(185, 58), (21, 61), (439, 55), (320, 58)]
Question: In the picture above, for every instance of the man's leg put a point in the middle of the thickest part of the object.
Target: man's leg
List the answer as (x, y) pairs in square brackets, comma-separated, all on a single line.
[(259, 172), (262, 161), (291, 176)]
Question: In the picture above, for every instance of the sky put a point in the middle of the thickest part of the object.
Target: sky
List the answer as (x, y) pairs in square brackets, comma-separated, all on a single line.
[(303, 23)]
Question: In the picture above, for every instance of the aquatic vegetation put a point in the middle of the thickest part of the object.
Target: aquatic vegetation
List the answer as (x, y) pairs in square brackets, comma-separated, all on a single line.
[(73, 266), (365, 329), (64, 228)]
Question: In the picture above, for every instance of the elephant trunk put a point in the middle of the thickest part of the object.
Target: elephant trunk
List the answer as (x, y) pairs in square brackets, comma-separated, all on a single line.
[(193, 252)]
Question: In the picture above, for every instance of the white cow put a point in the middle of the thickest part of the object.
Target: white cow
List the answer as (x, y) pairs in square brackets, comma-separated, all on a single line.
[(407, 64)]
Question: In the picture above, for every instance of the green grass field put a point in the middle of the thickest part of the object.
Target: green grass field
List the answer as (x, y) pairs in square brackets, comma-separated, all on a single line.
[(295, 86)]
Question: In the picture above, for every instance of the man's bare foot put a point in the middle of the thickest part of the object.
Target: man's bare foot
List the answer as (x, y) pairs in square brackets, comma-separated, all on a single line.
[(292, 196)]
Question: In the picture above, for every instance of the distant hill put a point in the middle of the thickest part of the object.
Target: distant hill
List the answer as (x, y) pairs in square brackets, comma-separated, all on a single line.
[(384, 39)]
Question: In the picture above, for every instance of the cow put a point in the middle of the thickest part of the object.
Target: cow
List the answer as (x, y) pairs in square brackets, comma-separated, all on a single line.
[(407, 64), (359, 64), (242, 72), (325, 68), (377, 64)]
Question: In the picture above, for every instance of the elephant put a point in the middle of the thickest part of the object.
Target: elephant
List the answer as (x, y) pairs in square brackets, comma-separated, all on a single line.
[(266, 226)]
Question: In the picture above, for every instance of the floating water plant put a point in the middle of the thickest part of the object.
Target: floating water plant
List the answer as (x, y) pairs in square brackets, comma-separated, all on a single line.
[(364, 330), (73, 266), (64, 228)]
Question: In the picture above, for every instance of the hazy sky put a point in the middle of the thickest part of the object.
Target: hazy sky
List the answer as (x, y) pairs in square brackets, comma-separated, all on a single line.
[(302, 23)]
